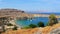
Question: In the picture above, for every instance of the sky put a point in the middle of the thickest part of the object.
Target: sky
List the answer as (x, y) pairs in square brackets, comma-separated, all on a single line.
[(32, 5)]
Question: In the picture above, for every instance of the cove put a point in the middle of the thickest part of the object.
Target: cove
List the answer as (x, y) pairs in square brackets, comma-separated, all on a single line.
[(35, 21)]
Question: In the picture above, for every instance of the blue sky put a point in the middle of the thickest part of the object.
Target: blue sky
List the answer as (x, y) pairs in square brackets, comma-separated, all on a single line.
[(32, 5)]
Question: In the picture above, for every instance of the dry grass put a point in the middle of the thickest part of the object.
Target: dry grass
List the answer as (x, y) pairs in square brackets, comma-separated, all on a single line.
[(44, 30)]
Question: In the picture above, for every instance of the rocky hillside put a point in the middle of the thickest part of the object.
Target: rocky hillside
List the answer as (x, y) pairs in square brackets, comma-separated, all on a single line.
[(13, 13), (10, 12), (55, 29)]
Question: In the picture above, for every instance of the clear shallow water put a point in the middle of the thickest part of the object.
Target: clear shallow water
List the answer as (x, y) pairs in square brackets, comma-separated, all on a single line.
[(32, 21)]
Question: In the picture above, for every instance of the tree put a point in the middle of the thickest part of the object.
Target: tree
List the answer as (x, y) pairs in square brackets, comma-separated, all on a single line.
[(32, 26), (40, 24), (52, 20)]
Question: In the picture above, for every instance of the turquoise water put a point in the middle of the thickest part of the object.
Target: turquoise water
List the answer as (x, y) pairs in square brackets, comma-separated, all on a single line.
[(33, 21)]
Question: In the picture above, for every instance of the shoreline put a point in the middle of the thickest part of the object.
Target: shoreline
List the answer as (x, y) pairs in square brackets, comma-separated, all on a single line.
[(14, 23)]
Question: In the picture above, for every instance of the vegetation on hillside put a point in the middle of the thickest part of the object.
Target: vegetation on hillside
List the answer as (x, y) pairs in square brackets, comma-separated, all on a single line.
[(32, 25), (52, 20), (40, 24)]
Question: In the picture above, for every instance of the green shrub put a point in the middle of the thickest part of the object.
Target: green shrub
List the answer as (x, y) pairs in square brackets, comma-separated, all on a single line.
[(40, 24), (32, 25), (15, 28)]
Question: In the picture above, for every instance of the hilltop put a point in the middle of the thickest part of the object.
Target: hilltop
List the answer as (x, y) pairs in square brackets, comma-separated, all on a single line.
[(10, 12), (13, 13)]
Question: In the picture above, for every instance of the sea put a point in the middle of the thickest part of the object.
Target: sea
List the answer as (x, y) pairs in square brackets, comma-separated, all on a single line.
[(35, 20)]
